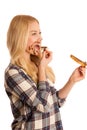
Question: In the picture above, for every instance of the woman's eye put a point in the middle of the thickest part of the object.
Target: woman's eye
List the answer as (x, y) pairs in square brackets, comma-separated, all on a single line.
[(34, 33)]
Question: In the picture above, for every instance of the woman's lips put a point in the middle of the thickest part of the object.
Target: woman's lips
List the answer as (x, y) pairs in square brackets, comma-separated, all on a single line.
[(37, 50), (37, 47)]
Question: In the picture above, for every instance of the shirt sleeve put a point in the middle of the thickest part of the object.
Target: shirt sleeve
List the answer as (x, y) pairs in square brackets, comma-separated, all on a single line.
[(27, 91), (61, 101), (53, 90)]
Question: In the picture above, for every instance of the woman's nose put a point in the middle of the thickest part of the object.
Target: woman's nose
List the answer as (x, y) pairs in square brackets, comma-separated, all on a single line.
[(40, 38)]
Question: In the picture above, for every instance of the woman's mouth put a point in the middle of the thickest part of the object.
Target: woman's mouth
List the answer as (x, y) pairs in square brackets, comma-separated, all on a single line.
[(37, 49)]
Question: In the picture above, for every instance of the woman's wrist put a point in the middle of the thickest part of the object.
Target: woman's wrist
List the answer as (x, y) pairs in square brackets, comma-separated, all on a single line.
[(42, 73), (71, 81)]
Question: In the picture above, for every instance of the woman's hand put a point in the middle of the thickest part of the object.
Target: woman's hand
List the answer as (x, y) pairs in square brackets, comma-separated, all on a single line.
[(46, 57), (45, 60), (78, 74)]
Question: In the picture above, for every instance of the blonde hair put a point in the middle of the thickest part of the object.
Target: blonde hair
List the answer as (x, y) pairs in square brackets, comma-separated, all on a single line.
[(17, 37)]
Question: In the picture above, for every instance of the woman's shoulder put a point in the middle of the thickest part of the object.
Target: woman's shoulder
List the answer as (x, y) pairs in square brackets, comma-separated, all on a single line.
[(13, 69)]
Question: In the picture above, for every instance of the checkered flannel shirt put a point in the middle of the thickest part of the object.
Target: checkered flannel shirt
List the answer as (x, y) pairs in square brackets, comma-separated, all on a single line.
[(34, 107)]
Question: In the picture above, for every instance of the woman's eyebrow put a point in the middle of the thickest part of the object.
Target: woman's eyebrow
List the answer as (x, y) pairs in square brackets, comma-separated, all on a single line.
[(33, 31)]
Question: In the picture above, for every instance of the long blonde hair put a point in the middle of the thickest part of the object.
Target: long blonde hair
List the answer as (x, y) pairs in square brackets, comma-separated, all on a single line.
[(17, 37)]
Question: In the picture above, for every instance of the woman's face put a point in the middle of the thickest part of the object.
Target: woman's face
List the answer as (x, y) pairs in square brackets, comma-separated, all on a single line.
[(34, 40)]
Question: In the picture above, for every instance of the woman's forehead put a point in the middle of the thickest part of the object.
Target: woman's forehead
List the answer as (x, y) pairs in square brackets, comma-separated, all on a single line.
[(34, 26)]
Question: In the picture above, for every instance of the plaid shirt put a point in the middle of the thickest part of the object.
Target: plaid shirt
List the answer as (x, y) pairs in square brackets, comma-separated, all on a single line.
[(34, 107)]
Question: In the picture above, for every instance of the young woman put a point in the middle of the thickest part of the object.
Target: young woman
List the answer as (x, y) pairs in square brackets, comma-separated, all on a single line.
[(35, 102)]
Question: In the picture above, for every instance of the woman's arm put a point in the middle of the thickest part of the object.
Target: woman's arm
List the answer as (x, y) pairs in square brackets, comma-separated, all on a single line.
[(26, 90), (77, 75)]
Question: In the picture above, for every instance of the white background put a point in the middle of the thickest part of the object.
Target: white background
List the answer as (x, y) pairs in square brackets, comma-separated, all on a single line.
[(64, 30)]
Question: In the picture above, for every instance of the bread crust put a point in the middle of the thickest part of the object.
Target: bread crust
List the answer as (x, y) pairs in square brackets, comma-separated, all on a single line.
[(82, 63)]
